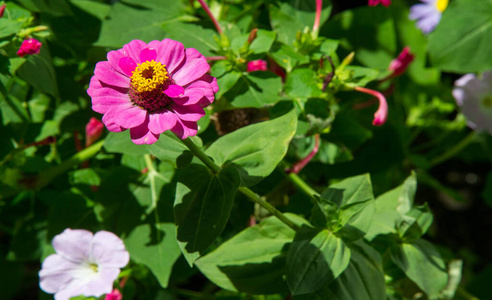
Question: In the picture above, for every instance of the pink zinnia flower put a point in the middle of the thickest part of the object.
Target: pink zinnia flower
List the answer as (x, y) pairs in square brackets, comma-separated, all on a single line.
[(257, 65), (151, 88), (93, 131), (376, 2), (29, 46), (84, 264)]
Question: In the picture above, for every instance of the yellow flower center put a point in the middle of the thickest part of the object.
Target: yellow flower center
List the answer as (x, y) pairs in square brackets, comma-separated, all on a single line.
[(149, 76), (93, 267), (442, 5)]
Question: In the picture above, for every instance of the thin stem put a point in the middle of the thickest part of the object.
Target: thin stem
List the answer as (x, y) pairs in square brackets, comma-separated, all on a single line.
[(301, 184), (382, 113), (244, 190), (209, 13), (42, 179), (298, 166), (454, 150), (215, 58), (319, 6)]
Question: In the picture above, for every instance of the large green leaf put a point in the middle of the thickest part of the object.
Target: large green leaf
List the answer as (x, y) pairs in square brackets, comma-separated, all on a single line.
[(302, 83), (255, 149), (120, 142), (255, 89), (126, 23), (460, 42), (171, 149), (253, 261), (156, 247), (202, 207), (193, 36), (38, 70), (423, 264), (315, 259)]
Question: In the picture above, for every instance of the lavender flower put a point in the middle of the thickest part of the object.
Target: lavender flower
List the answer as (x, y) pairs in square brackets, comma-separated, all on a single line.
[(84, 264), (474, 96), (428, 14)]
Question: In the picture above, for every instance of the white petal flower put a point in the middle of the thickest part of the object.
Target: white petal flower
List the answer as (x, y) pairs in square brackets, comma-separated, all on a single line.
[(84, 264), (474, 96), (428, 14)]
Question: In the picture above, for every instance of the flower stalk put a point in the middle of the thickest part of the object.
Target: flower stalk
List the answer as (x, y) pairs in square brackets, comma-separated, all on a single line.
[(298, 166), (319, 6), (381, 114), (244, 190), (209, 13)]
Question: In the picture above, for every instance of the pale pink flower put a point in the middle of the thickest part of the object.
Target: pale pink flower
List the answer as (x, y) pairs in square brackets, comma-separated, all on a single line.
[(93, 131), (474, 97), (29, 46), (428, 14), (151, 88), (381, 114), (84, 264), (257, 65), (376, 2)]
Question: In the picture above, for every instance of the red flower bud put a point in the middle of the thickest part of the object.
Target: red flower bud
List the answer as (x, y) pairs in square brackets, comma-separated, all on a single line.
[(257, 65), (29, 46), (93, 131)]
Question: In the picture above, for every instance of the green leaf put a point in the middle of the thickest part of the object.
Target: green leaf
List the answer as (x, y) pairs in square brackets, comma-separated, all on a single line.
[(255, 149), (252, 261), (418, 222), (369, 31), (315, 258), (255, 89), (126, 23), (156, 247), (202, 206), (97, 9), (38, 71), (263, 41), (362, 76), (192, 36), (423, 264), (302, 83), (292, 16), (227, 82), (170, 149), (120, 142), (460, 41), (288, 58)]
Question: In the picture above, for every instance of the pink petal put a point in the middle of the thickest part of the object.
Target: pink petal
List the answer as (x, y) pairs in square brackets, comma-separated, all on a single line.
[(189, 112), (129, 116), (194, 67), (107, 74), (158, 123), (114, 59), (73, 245), (142, 135), (174, 91), (184, 129), (127, 65), (108, 120), (109, 251), (169, 52), (55, 273), (199, 92), (133, 49), (104, 98), (148, 54)]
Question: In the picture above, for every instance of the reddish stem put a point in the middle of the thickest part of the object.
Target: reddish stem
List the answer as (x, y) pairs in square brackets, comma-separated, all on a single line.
[(209, 13), (319, 6), (382, 113), (298, 166), (214, 58)]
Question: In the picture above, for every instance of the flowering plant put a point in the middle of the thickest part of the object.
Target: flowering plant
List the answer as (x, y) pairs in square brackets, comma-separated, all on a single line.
[(245, 149)]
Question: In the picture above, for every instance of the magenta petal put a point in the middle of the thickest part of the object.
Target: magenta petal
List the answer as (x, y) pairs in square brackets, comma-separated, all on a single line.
[(148, 54), (108, 120), (127, 65), (142, 135), (114, 58), (109, 251), (174, 91), (184, 129), (107, 74), (169, 52), (189, 112), (129, 116), (158, 123), (133, 49), (73, 244), (194, 67)]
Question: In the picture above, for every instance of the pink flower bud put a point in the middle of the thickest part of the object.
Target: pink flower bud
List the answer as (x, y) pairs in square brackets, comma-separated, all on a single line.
[(29, 46), (93, 131), (2, 9), (114, 295), (381, 114), (376, 2), (257, 65), (400, 64)]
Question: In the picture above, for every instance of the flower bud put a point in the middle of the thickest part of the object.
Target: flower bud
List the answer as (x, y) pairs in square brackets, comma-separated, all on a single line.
[(93, 131), (257, 65), (29, 46)]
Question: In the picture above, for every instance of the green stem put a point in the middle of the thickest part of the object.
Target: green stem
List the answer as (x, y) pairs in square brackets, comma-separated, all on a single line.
[(244, 190), (464, 294), (454, 150), (43, 178), (301, 184)]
